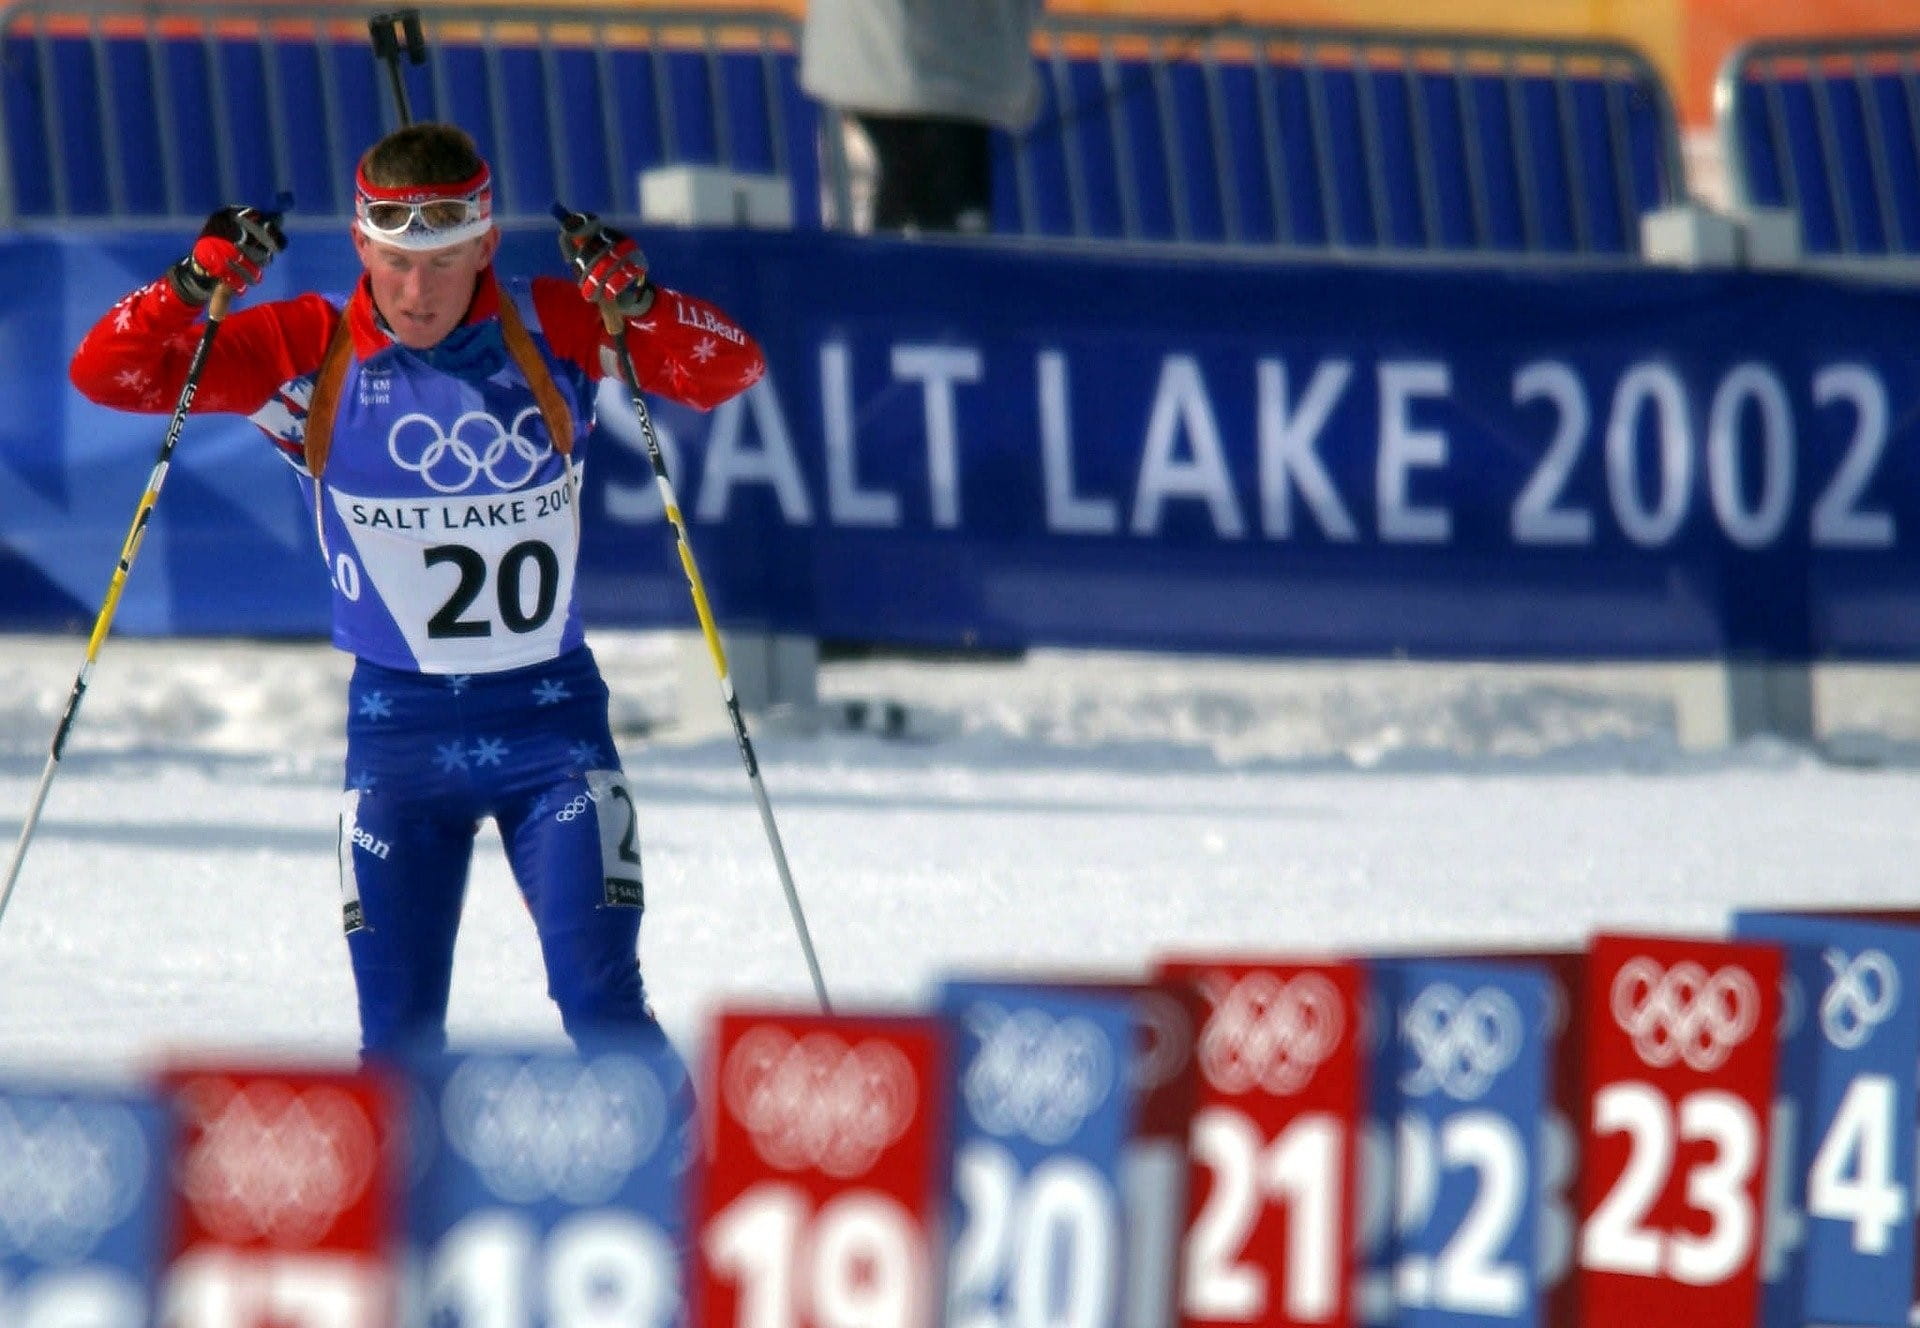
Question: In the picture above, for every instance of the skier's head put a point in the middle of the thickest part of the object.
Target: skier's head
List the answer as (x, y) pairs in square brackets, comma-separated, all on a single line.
[(423, 227)]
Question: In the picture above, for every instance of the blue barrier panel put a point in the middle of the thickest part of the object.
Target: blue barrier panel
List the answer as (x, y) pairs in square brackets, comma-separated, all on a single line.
[(971, 444), (277, 109), (1830, 133)]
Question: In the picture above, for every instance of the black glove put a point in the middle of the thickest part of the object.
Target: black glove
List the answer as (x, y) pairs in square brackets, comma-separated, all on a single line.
[(606, 263), (233, 249)]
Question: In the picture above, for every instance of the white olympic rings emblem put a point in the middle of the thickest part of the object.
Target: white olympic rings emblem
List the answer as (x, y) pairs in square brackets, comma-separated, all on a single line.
[(1683, 1013), (273, 1162), (69, 1173), (1864, 991), (555, 1127), (451, 460), (1462, 1043), (1269, 1033), (816, 1103), (1035, 1075)]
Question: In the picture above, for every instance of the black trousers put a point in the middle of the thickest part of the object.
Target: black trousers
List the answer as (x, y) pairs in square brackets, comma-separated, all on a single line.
[(933, 172)]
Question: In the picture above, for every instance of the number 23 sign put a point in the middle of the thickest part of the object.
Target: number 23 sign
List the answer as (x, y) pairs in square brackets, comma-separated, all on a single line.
[(1681, 1067)]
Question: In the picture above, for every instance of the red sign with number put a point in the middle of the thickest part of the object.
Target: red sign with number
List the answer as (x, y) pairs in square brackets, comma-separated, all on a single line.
[(1681, 1050), (1273, 1144), (817, 1207), (286, 1193)]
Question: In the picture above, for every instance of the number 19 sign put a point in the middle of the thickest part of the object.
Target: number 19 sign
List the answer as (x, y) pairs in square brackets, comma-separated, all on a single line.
[(818, 1207), (1681, 1064)]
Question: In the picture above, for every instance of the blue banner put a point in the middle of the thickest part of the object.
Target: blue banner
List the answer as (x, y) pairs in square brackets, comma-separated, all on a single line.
[(549, 1188), (979, 444), (1840, 1225), (83, 1204), (1457, 1102), (1043, 1112)]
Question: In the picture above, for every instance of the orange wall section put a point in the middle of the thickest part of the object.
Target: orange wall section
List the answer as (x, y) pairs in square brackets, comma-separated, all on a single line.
[(1686, 39), (1715, 27)]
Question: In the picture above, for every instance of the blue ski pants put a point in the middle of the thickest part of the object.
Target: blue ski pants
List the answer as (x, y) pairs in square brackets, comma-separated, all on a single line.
[(429, 757)]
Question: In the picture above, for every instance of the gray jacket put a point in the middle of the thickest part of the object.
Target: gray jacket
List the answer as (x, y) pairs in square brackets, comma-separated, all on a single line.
[(966, 59)]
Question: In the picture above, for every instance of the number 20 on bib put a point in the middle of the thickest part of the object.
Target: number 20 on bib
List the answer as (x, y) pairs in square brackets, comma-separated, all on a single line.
[(1681, 1066)]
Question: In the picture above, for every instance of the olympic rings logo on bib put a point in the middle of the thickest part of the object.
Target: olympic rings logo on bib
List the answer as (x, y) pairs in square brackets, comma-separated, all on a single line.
[(478, 444)]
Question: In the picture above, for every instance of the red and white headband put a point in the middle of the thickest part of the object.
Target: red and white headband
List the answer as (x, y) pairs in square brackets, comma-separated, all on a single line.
[(424, 216)]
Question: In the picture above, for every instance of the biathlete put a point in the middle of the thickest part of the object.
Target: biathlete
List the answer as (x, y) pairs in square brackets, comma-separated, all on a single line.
[(435, 419)]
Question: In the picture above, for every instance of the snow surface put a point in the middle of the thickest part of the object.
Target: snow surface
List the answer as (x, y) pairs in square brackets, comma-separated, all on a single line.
[(1068, 811)]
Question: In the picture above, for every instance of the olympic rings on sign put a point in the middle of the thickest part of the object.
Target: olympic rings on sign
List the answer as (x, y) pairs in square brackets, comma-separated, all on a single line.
[(1269, 1033), (1682, 1013), (273, 1162), (555, 1127), (69, 1172), (1035, 1075), (1461, 1042), (1864, 991), (815, 1103)]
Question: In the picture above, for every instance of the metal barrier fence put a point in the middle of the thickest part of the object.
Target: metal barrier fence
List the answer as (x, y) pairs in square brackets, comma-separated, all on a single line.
[(104, 104), (1829, 130), (1345, 140), (1295, 139)]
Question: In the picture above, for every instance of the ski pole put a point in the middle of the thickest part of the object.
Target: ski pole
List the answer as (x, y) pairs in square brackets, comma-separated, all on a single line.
[(391, 34), (616, 329), (103, 621)]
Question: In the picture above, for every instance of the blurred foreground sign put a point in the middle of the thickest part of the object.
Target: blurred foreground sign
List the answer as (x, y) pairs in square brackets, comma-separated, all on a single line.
[(82, 1207), (1044, 1107), (548, 1186), (1450, 1225), (823, 1199), (286, 1198), (1681, 1059), (1274, 1143), (1840, 1228)]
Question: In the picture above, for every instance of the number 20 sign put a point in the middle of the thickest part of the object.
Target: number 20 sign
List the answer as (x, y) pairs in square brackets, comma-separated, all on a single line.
[(1681, 1066)]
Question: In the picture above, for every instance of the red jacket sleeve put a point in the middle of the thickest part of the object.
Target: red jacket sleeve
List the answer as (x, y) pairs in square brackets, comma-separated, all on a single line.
[(684, 348), (135, 358)]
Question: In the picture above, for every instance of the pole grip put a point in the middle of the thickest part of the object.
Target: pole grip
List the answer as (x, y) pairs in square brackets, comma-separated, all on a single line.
[(391, 33)]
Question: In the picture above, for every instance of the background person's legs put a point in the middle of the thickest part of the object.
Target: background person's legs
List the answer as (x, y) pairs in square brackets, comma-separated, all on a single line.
[(935, 174)]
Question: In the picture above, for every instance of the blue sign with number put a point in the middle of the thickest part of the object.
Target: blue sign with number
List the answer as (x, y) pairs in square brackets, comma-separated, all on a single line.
[(1043, 1110), (83, 1194), (1840, 1229), (548, 1186), (1456, 1110)]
